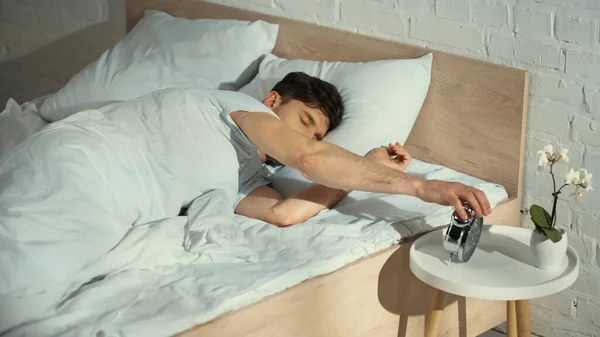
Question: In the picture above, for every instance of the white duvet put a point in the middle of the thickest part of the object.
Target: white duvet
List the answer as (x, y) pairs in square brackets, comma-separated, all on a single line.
[(159, 278)]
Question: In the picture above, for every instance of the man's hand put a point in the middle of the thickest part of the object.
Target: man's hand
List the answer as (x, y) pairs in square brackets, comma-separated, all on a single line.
[(393, 156), (436, 191), (454, 194)]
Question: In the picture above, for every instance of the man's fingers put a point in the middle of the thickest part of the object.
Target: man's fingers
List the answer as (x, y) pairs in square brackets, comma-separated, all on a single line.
[(399, 150), (472, 200), (402, 156), (389, 150), (398, 155), (395, 150), (458, 206), (486, 208)]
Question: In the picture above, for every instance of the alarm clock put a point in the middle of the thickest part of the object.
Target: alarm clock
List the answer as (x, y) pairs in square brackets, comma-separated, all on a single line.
[(462, 236)]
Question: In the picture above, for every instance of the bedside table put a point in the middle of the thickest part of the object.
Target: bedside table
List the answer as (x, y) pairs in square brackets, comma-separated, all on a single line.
[(501, 269)]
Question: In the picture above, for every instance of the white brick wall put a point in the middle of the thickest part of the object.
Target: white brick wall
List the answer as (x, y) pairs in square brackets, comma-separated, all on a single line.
[(574, 29), (44, 42), (452, 9), (373, 16), (533, 22), (539, 54), (446, 33), (583, 63), (491, 14), (591, 97)]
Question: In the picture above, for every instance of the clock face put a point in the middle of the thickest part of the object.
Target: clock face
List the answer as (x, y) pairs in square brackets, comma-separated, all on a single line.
[(472, 240)]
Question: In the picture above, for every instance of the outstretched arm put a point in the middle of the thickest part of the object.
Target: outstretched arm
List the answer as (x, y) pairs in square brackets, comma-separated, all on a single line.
[(266, 204), (337, 168)]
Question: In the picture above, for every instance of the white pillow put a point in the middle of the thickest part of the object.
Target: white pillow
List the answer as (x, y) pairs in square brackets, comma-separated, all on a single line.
[(382, 100), (163, 51)]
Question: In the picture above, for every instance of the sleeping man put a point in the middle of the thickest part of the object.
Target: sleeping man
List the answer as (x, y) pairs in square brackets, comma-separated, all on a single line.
[(71, 192), (305, 109)]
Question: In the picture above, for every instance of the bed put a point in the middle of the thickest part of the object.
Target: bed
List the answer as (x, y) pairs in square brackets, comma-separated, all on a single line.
[(378, 295)]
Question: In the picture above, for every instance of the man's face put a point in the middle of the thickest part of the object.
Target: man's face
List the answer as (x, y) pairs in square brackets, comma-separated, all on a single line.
[(308, 121)]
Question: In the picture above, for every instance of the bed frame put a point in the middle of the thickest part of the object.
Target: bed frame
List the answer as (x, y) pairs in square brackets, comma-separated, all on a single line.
[(473, 121)]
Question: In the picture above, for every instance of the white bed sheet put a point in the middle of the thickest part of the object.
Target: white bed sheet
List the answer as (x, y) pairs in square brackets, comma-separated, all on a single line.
[(157, 288)]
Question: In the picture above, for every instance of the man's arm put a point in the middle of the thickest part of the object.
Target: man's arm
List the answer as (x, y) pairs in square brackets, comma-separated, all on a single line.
[(266, 204), (337, 168)]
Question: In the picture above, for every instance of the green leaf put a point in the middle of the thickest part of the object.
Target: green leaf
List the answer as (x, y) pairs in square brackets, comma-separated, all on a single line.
[(553, 234), (540, 217)]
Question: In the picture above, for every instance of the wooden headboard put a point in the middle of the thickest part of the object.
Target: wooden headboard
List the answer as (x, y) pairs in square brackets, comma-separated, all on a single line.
[(473, 119)]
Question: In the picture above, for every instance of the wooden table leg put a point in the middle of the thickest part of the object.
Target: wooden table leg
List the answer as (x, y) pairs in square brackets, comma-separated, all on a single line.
[(511, 319), (435, 313), (523, 319)]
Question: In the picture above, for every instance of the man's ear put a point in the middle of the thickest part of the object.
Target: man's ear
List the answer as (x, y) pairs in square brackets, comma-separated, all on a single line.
[(272, 100)]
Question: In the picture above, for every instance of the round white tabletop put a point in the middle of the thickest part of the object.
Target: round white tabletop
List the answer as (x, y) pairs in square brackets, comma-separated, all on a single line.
[(501, 268)]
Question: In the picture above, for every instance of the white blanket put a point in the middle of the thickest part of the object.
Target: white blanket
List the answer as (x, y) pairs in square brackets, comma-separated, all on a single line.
[(158, 278)]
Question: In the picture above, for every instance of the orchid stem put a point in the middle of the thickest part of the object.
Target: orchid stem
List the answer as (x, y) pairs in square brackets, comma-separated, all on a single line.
[(560, 189), (554, 194)]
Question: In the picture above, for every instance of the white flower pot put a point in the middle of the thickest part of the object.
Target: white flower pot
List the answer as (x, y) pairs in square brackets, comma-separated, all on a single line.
[(546, 254)]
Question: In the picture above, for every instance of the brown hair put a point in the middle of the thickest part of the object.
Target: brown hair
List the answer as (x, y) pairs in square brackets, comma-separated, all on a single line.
[(313, 92)]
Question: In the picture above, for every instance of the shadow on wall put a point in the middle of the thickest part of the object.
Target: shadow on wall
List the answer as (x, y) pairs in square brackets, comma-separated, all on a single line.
[(46, 69)]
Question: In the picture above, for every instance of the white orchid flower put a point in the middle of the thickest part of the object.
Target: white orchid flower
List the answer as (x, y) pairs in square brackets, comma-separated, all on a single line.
[(577, 194), (543, 161), (582, 179), (572, 177), (585, 177), (548, 155), (563, 154), (586, 180)]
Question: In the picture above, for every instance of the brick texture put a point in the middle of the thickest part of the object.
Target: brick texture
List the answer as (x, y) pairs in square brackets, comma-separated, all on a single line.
[(446, 33), (533, 22), (416, 6), (590, 311), (491, 14), (44, 42), (592, 100), (556, 88), (552, 117), (537, 53), (320, 9), (501, 46), (373, 16), (452, 9), (583, 63), (573, 29), (585, 129)]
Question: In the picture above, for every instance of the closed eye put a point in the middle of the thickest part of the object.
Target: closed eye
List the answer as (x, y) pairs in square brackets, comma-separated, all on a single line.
[(303, 122)]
